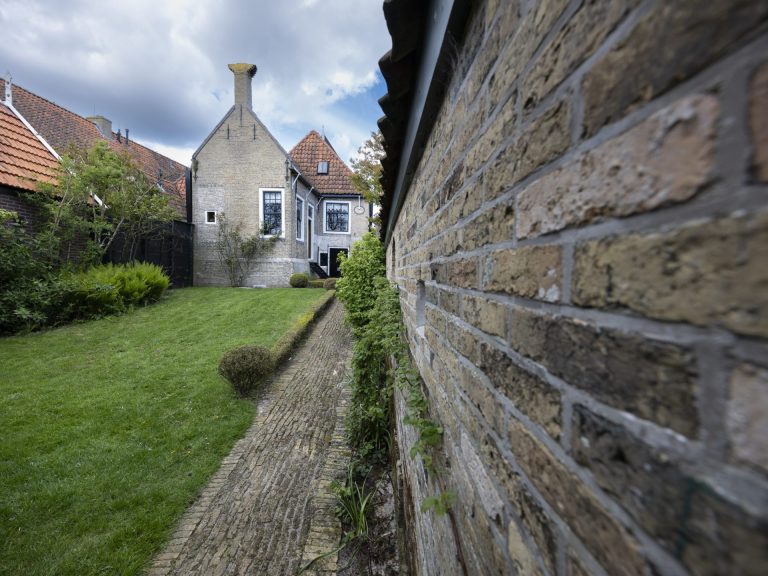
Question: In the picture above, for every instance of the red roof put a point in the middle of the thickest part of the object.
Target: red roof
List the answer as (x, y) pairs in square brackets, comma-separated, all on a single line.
[(24, 160), (62, 129), (311, 150)]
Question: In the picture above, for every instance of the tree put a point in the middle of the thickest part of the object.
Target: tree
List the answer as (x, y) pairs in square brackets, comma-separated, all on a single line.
[(105, 195), (236, 252), (367, 168)]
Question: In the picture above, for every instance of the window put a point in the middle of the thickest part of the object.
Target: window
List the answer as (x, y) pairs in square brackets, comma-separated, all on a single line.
[(271, 212), (210, 217), (323, 259), (299, 218), (337, 217), (322, 167)]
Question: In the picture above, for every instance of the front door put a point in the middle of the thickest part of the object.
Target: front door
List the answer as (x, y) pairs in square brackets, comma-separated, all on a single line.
[(333, 264)]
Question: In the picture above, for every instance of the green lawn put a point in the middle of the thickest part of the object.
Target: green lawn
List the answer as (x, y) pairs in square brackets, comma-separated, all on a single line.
[(111, 428)]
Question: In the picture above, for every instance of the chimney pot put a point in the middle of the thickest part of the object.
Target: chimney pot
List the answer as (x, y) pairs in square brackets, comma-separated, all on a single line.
[(103, 124), (243, 75)]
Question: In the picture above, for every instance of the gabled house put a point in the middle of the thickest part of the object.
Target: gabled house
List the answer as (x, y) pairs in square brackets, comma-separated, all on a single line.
[(341, 213), (60, 130), (304, 198), (63, 129)]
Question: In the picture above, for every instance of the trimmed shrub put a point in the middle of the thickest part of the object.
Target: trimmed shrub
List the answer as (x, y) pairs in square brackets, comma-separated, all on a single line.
[(316, 283), (299, 280), (330, 283), (245, 367)]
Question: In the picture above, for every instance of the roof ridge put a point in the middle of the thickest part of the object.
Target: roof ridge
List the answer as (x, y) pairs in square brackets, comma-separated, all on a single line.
[(59, 106)]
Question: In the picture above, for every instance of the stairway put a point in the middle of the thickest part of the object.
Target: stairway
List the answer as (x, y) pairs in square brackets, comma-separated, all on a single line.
[(317, 270)]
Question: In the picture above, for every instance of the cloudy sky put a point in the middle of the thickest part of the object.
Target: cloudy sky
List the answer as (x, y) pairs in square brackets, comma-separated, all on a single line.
[(159, 67)]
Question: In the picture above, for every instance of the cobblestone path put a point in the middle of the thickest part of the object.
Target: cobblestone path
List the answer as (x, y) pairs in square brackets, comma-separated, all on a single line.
[(269, 508)]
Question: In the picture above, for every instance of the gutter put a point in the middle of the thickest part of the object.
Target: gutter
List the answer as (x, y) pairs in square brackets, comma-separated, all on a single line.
[(444, 24)]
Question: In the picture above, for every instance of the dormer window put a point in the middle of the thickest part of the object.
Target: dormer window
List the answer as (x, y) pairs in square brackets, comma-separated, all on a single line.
[(322, 167)]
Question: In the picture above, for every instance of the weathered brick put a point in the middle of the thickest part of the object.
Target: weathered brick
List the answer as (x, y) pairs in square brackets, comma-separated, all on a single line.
[(466, 202), (531, 272), (518, 550), (487, 315), (672, 42), (608, 541), (574, 566), (682, 513), (463, 273), (545, 139), (490, 140), (482, 397), (449, 302), (579, 38), (652, 379), (464, 341), (531, 395), (710, 273), (523, 44), (748, 415), (528, 509), (666, 159), (758, 122), (494, 225)]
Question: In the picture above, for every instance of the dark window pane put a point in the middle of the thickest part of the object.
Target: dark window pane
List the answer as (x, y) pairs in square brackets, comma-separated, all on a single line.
[(337, 216), (273, 216), (323, 258), (299, 211)]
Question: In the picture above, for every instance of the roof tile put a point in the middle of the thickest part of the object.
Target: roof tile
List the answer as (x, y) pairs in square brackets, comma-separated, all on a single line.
[(24, 160), (63, 129), (314, 148)]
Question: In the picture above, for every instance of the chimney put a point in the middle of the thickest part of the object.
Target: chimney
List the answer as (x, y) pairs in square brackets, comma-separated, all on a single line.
[(104, 125), (243, 75)]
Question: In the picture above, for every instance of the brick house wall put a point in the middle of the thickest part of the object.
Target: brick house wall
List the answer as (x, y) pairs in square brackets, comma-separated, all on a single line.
[(581, 257)]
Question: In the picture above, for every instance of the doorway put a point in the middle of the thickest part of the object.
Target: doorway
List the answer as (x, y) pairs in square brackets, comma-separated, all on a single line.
[(333, 264)]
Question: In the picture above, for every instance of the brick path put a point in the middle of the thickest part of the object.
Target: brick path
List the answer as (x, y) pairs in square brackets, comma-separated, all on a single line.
[(269, 508)]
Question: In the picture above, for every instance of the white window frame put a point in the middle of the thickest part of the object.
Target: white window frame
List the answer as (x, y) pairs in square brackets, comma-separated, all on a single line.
[(282, 210), (325, 216), (300, 228), (215, 217)]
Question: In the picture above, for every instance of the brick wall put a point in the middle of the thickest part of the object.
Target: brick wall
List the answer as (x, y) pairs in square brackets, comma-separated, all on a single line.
[(587, 235)]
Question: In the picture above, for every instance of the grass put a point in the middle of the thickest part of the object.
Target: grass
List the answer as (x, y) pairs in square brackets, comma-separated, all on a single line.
[(111, 428)]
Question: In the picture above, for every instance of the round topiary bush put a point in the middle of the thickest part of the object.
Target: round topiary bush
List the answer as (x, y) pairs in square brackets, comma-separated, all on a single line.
[(330, 283), (246, 366), (299, 280)]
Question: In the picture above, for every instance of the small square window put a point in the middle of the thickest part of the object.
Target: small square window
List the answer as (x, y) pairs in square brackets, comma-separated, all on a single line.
[(322, 167), (210, 217)]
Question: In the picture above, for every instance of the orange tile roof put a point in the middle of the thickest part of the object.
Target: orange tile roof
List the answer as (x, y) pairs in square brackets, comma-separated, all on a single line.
[(24, 160), (314, 148), (63, 129)]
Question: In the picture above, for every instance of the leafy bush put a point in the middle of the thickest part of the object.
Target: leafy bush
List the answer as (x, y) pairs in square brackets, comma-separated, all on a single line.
[(299, 280), (246, 366), (359, 272), (316, 283), (372, 381), (330, 283), (28, 287), (111, 289)]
